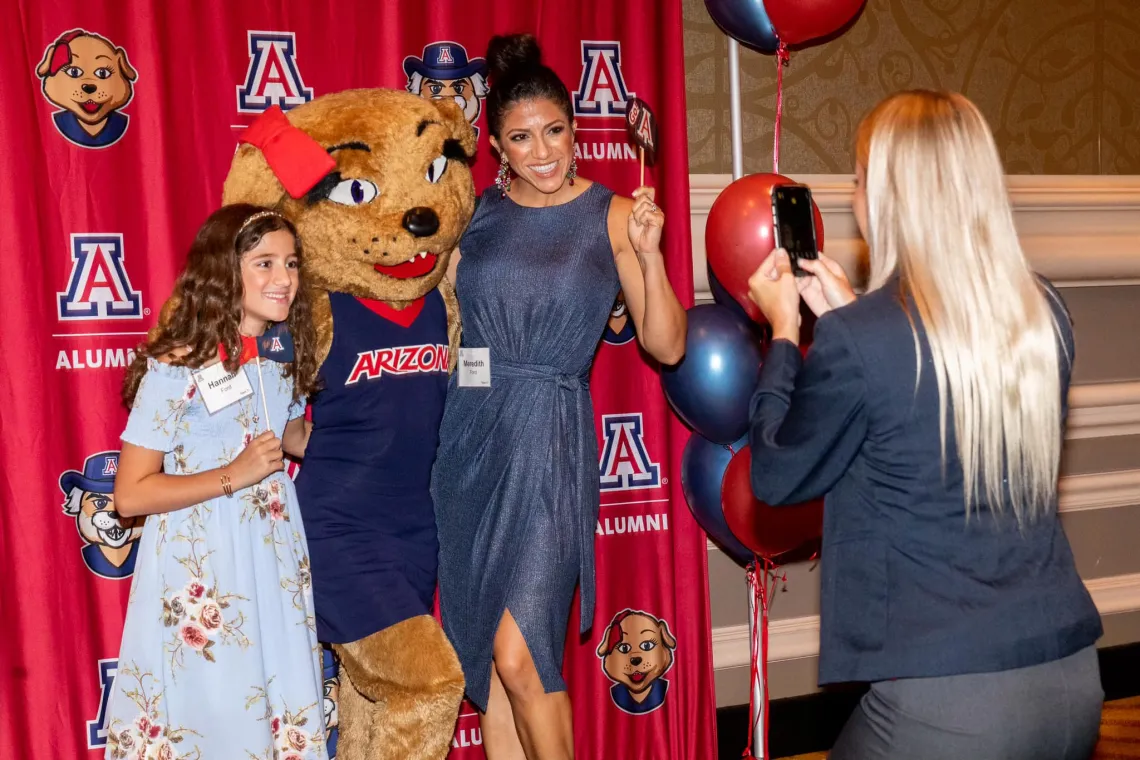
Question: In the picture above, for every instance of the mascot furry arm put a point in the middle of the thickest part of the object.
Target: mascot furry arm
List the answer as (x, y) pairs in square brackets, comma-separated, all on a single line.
[(378, 186)]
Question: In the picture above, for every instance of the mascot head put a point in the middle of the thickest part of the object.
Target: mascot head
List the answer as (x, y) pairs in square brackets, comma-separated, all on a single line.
[(376, 181)]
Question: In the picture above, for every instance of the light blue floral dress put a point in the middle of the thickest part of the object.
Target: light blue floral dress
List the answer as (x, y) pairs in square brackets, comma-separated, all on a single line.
[(219, 656)]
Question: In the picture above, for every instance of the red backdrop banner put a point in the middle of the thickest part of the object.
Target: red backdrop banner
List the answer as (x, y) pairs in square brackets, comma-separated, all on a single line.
[(109, 170)]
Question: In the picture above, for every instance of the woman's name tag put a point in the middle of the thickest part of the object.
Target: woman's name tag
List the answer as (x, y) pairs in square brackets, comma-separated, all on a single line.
[(220, 388), (474, 368)]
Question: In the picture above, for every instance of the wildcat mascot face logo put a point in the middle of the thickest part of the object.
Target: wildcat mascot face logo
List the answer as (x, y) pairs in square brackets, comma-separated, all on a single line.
[(636, 653), (619, 329), (445, 72), (89, 497), (90, 79), (330, 670)]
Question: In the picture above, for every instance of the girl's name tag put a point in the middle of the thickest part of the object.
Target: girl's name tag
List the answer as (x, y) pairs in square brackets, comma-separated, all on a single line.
[(220, 388)]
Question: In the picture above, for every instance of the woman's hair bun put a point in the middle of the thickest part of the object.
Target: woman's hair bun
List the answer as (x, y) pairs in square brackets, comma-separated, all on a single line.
[(518, 74), (511, 52)]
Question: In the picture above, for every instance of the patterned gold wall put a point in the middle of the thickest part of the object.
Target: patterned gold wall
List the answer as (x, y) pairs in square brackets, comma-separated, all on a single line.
[(1058, 80)]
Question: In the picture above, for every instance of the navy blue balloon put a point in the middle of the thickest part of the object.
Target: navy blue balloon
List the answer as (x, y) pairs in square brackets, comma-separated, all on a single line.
[(711, 387), (702, 473), (746, 21)]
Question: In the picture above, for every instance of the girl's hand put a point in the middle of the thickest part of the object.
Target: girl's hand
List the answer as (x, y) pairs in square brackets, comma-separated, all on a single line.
[(260, 459)]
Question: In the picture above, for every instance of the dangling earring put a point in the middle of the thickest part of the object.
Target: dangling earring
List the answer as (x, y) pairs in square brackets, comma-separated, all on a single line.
[(503, 178), (573, 171)]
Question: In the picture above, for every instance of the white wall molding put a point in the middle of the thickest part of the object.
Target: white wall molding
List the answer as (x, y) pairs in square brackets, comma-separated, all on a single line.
[(1116, 594), (791, 639), (1039, 192), (1078, 493), (1101, 490), (1103, 410), (797, 638), (1077, 230)]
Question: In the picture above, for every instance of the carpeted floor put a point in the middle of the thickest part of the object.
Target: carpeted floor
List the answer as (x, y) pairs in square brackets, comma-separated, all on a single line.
[(1119, 733), (1119, 730)]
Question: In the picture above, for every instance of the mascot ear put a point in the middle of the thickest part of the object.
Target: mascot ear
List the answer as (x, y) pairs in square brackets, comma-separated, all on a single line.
[(456, 121), (277, 158), (251, 180), (666, 636)]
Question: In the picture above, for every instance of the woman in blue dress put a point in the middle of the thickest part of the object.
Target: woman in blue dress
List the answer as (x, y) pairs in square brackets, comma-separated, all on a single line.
[(516, 478), (219, 656)]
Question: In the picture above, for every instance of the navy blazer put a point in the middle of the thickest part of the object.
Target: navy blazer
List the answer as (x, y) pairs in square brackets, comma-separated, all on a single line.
[(909, 586)]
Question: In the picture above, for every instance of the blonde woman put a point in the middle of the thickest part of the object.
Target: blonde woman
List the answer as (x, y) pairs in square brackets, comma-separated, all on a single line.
[(930, 411)]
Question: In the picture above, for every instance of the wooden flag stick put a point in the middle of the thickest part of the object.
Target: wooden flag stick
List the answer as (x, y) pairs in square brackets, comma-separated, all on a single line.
[(264, 401), (641, 154)]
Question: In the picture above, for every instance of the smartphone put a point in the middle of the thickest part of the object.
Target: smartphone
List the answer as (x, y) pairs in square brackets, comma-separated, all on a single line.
[(793, 224)]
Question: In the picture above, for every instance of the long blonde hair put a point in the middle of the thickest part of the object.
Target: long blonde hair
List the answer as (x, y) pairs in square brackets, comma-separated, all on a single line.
[(938, 214)]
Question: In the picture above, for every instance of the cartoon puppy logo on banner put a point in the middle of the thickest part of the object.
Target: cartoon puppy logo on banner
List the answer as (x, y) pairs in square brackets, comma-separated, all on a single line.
[(445, 72), (112, 541), (636, 653), (90, 79)]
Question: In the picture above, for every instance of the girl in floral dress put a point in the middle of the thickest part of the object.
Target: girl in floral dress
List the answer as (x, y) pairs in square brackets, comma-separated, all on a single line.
[(219, 657)]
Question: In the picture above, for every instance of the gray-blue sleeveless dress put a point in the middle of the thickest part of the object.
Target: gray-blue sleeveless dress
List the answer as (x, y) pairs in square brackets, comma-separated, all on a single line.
[(515, 481)]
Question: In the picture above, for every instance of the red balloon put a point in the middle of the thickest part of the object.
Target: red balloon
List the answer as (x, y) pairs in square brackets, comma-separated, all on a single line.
[(768, 531), (738, 233), (799, 21)]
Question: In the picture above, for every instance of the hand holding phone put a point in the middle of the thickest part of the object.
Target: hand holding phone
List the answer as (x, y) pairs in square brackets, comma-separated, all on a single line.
[(793, 224), (828, 288)]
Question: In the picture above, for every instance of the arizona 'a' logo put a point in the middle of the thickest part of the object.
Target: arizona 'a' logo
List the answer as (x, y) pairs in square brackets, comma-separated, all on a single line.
[(602, 90), (272, 78), (98, 287), (96, 730), (626, 465)]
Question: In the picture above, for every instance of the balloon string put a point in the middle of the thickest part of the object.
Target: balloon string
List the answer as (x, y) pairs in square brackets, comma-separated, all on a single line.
[(765, 598), (782, 59), (754, 589), (758, 648)]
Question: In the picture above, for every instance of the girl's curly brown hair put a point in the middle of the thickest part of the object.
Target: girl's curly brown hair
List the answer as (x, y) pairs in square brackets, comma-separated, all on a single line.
[(205, 308)]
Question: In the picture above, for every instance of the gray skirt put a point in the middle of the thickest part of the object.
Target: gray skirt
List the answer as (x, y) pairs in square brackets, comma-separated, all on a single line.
[(1043, 712)]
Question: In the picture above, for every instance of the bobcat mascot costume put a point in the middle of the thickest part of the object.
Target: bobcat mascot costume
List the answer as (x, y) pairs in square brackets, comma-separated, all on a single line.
[(378, 185)]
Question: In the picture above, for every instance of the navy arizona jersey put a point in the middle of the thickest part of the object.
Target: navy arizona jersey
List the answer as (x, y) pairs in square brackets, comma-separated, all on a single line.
[(364, 483)]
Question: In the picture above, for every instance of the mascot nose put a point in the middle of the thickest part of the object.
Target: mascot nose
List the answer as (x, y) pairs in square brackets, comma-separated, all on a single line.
[(89, 88), (105, 519), (634, 660), (421, 222)]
